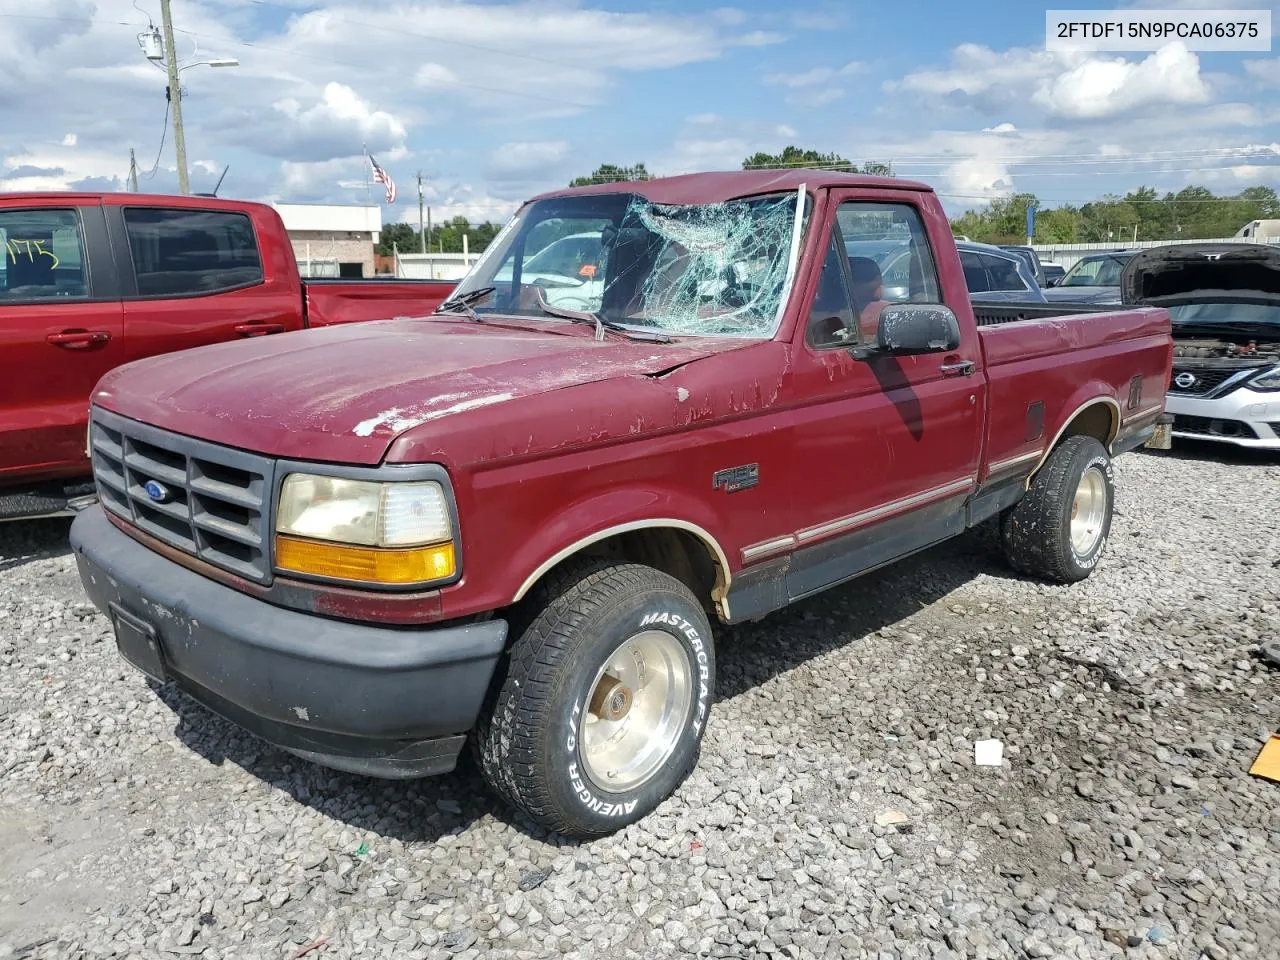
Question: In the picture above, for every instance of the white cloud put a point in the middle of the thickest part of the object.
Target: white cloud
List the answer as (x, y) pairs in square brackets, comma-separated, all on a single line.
[(523, 161), (337, 73), (1005, 127), (340, 114), (703, 118), (815, 76), (435, 75), (69, 140), (1070, 85), (1267, 71), (1103, 88)]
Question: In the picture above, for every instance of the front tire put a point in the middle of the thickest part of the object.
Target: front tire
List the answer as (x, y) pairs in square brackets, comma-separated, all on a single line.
[(1058, 531), (601, 714)]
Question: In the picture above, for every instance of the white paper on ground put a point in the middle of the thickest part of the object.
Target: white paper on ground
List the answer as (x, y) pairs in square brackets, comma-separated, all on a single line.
[(988, 753)]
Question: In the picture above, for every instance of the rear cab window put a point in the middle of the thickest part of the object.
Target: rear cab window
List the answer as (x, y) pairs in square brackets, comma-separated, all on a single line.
[(43, 256), (887, 259), (182, 253)]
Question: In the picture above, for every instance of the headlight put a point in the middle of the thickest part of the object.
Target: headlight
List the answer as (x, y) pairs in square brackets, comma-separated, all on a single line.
[(393, 533), (1267, 381)]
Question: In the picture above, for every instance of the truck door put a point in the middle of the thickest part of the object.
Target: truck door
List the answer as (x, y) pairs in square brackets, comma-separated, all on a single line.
[(61, 329), (195, 276), (888, 448)]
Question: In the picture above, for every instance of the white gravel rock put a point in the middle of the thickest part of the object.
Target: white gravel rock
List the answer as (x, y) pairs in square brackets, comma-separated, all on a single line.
[(1122, 823)]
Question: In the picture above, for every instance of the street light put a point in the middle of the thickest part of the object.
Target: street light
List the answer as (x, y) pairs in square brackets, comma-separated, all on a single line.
[(155, 50)]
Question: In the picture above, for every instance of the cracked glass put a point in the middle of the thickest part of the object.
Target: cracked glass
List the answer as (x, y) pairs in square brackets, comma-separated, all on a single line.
[(714, 269)]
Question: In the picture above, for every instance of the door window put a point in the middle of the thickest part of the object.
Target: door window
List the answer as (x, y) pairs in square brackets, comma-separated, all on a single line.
[(43, 256), (975, 275), (891, 235), (179, 253), (1002, 274), (886, 260)]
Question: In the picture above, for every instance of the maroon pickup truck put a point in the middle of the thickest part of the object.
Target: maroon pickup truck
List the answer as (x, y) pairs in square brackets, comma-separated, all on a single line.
[(91, 281), (516, 521)]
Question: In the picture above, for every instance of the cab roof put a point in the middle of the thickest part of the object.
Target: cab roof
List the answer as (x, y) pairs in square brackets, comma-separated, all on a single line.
[(719, 187)]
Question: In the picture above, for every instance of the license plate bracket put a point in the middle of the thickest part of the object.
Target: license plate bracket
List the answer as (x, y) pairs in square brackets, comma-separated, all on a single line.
[(138, 642)]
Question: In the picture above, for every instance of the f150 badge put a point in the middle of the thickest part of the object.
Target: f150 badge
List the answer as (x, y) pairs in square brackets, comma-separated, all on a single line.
[(736, 478)]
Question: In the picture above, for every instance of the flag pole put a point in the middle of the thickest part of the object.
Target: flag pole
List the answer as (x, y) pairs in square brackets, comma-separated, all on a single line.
[(368, 186)]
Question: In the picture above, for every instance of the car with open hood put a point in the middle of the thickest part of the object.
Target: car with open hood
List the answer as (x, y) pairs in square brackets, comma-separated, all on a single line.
[(1224, 303)]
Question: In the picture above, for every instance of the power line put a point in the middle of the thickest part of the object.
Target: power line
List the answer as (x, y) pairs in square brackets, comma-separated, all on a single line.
[(164, 130), (284, 51)]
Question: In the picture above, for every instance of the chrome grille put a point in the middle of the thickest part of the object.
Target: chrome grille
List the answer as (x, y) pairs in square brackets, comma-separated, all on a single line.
[(215, 503), (1204, 381)]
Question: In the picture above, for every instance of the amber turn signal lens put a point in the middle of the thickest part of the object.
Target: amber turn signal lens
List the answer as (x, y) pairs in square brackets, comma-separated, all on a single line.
[(365, 564)]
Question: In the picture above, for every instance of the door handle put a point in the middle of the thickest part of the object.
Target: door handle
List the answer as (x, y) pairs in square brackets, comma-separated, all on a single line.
[(78, 339), (257, 329), (960, 368)]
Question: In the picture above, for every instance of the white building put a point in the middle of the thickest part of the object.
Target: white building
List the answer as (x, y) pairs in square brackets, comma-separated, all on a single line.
[(332, 239)]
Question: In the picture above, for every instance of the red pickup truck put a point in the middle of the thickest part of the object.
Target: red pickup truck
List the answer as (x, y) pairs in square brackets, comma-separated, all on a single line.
[(92, 281), (515, 522)]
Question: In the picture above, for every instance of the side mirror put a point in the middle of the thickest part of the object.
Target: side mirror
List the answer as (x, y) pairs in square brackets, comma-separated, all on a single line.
[(911, 328)]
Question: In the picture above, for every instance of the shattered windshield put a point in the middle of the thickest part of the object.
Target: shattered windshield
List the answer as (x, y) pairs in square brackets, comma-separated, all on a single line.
[(717, 269)]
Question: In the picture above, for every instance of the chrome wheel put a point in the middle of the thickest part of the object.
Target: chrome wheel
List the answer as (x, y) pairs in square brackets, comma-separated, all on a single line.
[(637, 709), (1088, 512)]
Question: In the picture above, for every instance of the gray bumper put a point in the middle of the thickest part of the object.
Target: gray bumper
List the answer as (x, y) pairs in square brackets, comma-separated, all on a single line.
[(1244, 417), (381, 701)]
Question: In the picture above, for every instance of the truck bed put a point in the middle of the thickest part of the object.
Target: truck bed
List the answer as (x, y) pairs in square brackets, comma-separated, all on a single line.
[(991, 314), (330, 301), (1044, 365)]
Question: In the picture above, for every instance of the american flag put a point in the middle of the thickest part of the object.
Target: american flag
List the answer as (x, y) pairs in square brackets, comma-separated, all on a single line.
[(381, 176)]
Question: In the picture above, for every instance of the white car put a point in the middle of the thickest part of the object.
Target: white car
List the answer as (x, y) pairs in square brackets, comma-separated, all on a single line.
[(558, 268), (1224, 300)]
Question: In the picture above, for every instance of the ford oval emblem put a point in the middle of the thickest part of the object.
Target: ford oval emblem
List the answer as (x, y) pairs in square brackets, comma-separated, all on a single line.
[(1185, 380), (156, 491)]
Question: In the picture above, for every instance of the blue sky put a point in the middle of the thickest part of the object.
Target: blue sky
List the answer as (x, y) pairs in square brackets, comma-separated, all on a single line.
[(495, 101)]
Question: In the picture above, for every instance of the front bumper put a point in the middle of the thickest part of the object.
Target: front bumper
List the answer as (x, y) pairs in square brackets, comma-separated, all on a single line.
[(1244, 417), (379, 701)]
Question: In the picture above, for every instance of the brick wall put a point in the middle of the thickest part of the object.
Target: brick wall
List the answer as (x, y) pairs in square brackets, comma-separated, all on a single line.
[(345, 248)]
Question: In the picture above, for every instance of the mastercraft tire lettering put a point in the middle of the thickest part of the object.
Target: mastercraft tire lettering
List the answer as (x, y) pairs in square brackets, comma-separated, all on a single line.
[(601, 713)]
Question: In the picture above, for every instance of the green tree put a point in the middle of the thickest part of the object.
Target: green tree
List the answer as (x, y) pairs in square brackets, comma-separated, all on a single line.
[(609, 173), (1193, 213), (793, 157), (398, 236)]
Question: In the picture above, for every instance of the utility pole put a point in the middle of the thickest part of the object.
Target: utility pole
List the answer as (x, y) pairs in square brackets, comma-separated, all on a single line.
[(133, 172), (174, 93), (422, 236)]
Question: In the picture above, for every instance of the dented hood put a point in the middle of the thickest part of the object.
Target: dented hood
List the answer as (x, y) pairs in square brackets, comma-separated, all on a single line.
[(344, 393), (1203, 273)]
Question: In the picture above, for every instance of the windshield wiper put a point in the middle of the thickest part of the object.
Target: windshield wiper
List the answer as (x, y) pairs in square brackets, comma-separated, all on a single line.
[(462, 302), (601, 324)]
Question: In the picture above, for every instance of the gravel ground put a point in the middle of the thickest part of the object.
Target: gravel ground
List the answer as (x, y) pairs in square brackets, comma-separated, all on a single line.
[(837, 810)]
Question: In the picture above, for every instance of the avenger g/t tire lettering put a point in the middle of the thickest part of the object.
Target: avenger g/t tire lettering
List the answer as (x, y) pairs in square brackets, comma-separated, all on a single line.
[(1059, 529), (601, 713)]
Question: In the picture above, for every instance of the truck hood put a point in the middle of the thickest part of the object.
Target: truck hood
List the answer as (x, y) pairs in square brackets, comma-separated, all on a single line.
[(344, 393), (1203, 273)]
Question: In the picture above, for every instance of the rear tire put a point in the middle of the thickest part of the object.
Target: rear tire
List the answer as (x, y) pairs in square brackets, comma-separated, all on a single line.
[(1059, 530), (602, 710)]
